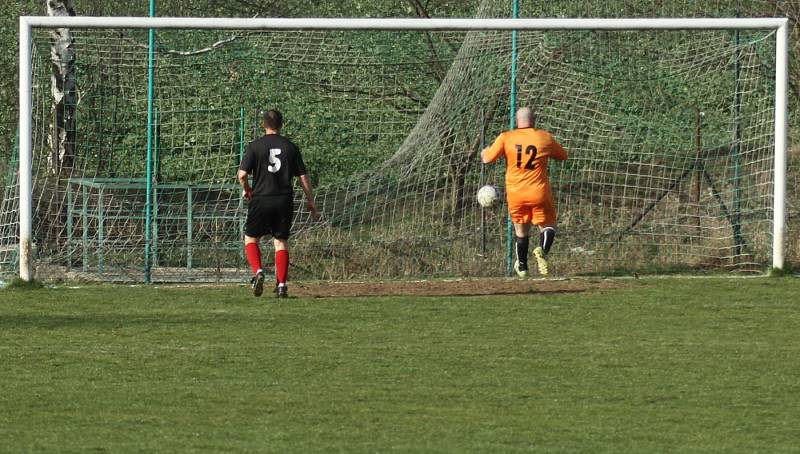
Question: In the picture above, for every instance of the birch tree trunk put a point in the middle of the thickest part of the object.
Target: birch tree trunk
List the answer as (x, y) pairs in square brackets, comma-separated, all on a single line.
[(62, 114)]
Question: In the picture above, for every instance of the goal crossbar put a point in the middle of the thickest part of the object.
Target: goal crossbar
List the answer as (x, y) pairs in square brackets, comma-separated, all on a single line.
[(27, 23), (403, 23)]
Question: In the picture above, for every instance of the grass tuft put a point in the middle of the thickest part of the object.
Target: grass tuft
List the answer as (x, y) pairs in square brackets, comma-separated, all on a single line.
[(21, 284), (780, 272)]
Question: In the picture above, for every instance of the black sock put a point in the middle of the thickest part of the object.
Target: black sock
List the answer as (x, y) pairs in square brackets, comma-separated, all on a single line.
[(546, 239), (521, 247)]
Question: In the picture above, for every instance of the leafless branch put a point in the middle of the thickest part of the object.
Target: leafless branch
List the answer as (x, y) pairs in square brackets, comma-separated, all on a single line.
[(439, 70), (187, 53), (268, 8)]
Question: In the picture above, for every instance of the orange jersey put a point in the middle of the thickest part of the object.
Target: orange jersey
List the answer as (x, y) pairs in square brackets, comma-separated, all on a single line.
[(527, 151)]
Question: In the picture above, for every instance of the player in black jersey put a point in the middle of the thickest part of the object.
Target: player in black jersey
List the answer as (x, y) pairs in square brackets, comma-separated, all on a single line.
[(272, 161)]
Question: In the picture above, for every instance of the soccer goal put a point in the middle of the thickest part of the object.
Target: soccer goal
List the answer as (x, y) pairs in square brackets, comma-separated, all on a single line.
[(131, 131)]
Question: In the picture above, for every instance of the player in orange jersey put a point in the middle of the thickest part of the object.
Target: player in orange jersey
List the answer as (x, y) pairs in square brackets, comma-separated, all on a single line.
[(530, 200)]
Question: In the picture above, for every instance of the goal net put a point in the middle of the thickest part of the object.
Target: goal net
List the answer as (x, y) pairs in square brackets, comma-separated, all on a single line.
[(671, 137)]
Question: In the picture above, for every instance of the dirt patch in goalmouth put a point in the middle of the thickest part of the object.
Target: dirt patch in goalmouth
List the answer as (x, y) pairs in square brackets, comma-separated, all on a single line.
[(448, 287)]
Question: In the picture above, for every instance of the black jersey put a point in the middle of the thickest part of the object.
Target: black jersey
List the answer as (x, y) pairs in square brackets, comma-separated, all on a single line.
[(272, 161)]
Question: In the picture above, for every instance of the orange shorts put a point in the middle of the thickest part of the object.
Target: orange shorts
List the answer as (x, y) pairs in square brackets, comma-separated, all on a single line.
[(543, 213)]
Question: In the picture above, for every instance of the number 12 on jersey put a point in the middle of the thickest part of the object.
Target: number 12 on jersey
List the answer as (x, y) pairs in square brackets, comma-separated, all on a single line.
[(529, 150)]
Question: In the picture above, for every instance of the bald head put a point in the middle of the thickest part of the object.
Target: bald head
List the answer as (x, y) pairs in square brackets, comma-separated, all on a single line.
[(525, 118)]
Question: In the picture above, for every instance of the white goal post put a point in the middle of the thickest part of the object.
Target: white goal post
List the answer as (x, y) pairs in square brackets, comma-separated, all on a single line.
[(779, 25)]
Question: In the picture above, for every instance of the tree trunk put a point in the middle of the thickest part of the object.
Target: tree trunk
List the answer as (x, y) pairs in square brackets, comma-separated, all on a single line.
[(61, 137), (62, 59)]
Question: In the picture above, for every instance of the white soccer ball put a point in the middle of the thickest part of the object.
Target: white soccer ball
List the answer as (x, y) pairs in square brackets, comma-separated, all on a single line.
[(487, 196)]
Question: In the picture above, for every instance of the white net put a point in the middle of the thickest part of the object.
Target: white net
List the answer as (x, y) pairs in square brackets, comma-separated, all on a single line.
[(670, 136)]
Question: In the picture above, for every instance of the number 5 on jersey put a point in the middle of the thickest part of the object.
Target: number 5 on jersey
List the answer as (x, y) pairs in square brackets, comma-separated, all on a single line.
[(274, 161)]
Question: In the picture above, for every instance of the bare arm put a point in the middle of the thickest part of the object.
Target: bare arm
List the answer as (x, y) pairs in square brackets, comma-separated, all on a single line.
[(244, 180), (483, 156), (305, 183)]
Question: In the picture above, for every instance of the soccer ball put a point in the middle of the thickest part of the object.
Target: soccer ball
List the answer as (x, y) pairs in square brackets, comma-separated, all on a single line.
[(487, 196)]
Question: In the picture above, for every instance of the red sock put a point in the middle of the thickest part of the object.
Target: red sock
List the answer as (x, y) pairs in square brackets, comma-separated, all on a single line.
[(253, 254), (282, 265)]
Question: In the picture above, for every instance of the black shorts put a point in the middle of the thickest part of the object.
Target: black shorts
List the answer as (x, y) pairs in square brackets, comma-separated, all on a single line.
[(270, 215)]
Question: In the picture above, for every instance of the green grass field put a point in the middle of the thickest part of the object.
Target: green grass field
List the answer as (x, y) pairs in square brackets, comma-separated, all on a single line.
[(660, 365)]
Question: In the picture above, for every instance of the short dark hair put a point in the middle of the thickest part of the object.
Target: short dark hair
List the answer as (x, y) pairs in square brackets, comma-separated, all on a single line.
[(273, 119)]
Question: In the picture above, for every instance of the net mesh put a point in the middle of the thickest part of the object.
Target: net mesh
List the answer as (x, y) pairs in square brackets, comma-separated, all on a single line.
[(670, 136)]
